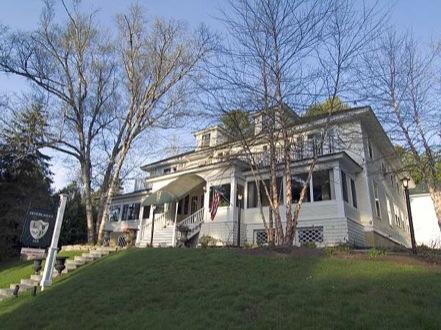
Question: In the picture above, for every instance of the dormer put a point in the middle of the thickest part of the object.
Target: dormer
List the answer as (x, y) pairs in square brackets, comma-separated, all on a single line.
[(210, 137), (261, 118)]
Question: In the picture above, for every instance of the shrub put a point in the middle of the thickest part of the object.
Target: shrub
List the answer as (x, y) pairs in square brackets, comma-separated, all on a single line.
[(207, 241), (373, 253), (343, 248), (310, 245)]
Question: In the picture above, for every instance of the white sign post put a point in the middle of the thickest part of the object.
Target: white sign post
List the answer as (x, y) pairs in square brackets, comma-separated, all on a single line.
[(50, 260)]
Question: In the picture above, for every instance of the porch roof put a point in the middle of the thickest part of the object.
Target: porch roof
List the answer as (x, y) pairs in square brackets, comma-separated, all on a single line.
[(173, 191)]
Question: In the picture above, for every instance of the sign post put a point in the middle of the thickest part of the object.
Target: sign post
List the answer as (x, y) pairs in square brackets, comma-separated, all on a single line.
[(50, 260)]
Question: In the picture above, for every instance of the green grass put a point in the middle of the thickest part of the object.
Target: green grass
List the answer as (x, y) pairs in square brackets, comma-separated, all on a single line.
[(216, 288), (15, 270)]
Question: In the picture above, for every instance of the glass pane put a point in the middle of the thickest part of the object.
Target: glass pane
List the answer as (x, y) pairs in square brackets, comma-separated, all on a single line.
[(297, 183), (321, 185), (252, 195), (344, 186)]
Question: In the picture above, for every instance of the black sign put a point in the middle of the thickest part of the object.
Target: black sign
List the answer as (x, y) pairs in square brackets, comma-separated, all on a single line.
[(38, 228)]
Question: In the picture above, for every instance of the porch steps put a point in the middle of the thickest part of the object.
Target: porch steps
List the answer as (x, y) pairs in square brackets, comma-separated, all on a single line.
[(71, 264), (162, 237)]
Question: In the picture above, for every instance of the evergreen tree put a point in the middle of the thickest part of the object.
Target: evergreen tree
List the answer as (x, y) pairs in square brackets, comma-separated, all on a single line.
[(25, 178)]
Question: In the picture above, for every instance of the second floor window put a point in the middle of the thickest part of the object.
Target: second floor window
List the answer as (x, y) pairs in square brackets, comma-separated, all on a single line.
[(205, 140)]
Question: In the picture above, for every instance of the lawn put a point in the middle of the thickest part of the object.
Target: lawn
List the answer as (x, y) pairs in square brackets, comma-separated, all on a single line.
[(218, 288), (14, 270)]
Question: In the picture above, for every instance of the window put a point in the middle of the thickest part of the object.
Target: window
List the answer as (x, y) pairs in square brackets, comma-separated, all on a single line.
[(224, 191), (344, 186), (377, 200), (321, 185), (297, 183), (131, 212), (389, 212), (315, 142), (114, 212), (146, 212), (205, 140), (252, 200), (354, 194), (263, 194), (298, 148), (310, 234), (202, 200), (252, 194), (166, 170), (397, 217), (124, 212), (371, 153), (331, 140)]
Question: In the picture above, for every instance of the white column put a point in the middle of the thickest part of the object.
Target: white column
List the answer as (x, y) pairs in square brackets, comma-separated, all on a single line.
[(174, 227), (206, 202), (233, 208), (338, 191), (140, 224)]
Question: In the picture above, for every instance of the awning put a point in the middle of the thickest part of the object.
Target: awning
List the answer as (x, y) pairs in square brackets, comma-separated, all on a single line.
[(173, 191)]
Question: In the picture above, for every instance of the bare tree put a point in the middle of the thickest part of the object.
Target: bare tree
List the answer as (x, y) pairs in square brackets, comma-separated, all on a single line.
[(402, 78), (159, 67), (288, 52), (73, 64)]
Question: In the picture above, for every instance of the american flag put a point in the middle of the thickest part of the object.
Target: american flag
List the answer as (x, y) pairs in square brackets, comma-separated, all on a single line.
[(215, 204)]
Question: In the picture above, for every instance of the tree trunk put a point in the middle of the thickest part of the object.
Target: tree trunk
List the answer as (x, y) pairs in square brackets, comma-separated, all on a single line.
[(112, 185), (435, 194), (85, 178)]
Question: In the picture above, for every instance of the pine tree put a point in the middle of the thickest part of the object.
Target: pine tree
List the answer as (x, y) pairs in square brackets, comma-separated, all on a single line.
[(25, 177)]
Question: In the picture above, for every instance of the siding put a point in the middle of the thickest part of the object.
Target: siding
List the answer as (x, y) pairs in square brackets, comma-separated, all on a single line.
[(356, 234)]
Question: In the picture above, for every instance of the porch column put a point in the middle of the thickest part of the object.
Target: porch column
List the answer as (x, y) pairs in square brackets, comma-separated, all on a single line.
[(206, 202), (338, 191), (175, 224), (140, 225), (232, 208)]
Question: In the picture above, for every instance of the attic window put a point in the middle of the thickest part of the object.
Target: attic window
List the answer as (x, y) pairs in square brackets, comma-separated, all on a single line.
[(205, 140)]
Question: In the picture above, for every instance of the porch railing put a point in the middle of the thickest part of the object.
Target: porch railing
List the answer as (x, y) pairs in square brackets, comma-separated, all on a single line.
[(193, 223)]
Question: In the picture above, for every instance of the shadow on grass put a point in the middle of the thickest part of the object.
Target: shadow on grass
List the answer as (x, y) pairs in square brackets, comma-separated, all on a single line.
[(196, 288)]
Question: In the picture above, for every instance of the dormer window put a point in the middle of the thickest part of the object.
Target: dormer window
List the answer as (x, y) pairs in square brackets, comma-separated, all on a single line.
[(205, 140)]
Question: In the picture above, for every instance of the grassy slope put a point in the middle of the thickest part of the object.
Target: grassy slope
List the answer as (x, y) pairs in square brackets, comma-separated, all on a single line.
[(14, 271), (195, 288)]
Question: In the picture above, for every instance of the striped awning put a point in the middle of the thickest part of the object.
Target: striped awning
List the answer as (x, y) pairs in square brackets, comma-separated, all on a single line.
[(173, 191)]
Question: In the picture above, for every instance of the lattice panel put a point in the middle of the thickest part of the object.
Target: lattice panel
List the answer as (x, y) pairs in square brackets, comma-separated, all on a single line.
[(311, 234), (122, 241), (260, 237)]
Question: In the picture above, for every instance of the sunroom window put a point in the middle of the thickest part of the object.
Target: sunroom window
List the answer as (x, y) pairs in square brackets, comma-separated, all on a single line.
[(321, 185), (297, 183)]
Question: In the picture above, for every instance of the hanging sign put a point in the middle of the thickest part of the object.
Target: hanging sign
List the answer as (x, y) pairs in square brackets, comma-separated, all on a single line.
[(38, 228)]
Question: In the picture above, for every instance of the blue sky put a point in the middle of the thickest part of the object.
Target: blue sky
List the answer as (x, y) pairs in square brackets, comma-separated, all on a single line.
[(420, 16)]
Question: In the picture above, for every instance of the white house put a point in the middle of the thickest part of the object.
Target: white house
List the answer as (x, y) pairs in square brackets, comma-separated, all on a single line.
[(354, 195), (425, 222)]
